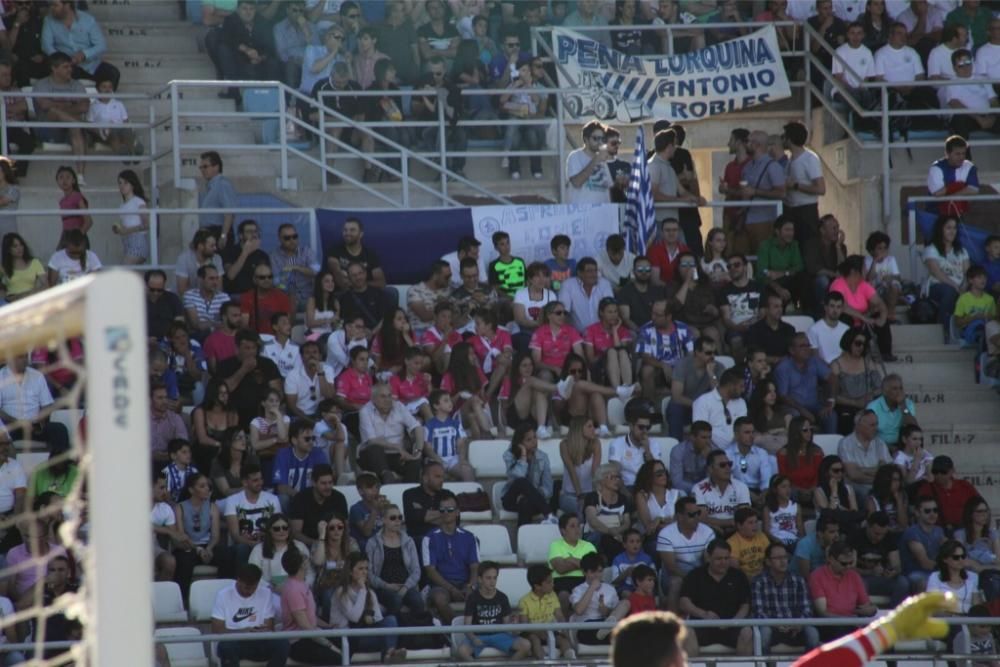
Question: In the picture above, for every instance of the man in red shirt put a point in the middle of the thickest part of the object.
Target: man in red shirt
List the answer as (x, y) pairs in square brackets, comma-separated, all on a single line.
[(264, 300), (951, 494), (838, 591), (664, 253)]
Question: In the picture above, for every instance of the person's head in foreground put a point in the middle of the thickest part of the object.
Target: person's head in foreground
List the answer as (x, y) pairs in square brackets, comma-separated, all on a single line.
[(649, 639)]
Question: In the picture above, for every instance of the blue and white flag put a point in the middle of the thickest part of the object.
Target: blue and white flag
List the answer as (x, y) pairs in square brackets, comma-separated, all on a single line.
[(640, 214)]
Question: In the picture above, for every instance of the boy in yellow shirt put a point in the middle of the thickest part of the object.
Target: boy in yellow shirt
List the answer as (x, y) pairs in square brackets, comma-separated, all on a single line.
[(541, 605), (975, 307), (748, 543)]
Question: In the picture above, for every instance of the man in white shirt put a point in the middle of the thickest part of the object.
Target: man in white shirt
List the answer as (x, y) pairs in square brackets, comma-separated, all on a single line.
[(247, 606), (26, 403), (898, 63), (970, 98), (722, 406), (924, 22), (279, 347), (825, 334), (13, 480), (681, 546), (939, 67), (468, 246), (589, 177), (805, 184), (987, 64), (615, 262), (582, 294), (752, 465), (309, 383), (386, 426), (631, 451), (248, 512), (719, 495), (855, 64)]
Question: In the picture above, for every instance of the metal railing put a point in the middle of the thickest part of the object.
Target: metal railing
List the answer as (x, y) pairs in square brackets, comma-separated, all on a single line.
[(911, 213)]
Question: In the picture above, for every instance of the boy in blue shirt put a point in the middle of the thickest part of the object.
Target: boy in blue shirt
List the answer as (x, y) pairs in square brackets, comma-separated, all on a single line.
[(626, 561), (293, 465), (446, 439), (992, 264), (562, 267), (366, 514), (179, 468)]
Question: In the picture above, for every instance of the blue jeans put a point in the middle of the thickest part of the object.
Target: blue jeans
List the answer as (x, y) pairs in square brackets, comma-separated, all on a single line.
[(808, 636), (273, 651), (393, 601), (896, 588), (382, 643), (944, 297), (677, 417)]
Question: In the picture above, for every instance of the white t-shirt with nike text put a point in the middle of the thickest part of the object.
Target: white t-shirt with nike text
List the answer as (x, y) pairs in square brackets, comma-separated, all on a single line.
[(240, 613)]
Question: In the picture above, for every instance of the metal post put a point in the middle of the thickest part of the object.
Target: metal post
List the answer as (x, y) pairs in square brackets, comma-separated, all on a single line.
[(442, 142), (807, 91), (3, 126), (886, 158), (322, 143), (154, 237), (283, 110), (314, 234), (560, 148), (175, 132), (404, 167), (670, 41)]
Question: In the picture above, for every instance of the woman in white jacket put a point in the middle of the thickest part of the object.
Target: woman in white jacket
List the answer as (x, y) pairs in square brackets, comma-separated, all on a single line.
[(355, 605)]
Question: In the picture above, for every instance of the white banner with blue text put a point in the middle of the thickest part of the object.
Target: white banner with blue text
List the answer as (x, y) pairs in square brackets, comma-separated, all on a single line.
[(729, 76)]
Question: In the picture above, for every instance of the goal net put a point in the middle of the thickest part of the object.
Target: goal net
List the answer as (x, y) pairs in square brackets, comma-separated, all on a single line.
[(77, 546)]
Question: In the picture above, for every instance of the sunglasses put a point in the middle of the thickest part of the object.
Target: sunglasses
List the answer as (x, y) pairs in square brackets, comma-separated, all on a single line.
[(957, 557), (290, 237), (660, 473), (266, 276), (642, 427), (513, 45), (644, 269), (280, 527), (807, 429), (448, 510), (932, 510), (725, 464), (693, 515), (849, 563), (837, 470), (156, 290), (394, 517), (575, 371), (558, 312)]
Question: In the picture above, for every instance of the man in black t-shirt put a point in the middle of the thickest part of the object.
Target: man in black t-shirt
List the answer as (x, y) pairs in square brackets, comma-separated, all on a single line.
[(716, 590), (362, 300), (347, 105), (249, 377), (339, 257), (620, 169), (239, 261), (636, 299), (421, 502), (320, 502), (689, 218), (739, 303), (770, 333), (878, 558)]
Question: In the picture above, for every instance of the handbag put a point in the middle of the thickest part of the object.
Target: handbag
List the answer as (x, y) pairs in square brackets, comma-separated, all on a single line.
[(475, 501)]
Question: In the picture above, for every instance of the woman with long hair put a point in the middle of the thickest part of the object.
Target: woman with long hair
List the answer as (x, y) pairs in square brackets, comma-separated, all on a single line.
[(329, 556), (833, 492), (876, 23), (493, 346), (800, 459), (692, 290), (465, 382), (954, 576), (654, 501), (862, 304), (390, 344), (226, 469), (23, 273), (586, 398), (134, 223), (394, 570), (888, 496), (210, 421), (854, 381), (355, 605), (267, 554), (527, 396), (946, 261), (607, 511), (529, 485), (269, 430), (770, 419), (714, 264), (411, 386), (322, 307), (74, 260), (606, 344), (199, 518), (72, 199), (580, 451), (782, 515), (982, 543), (10, 196)]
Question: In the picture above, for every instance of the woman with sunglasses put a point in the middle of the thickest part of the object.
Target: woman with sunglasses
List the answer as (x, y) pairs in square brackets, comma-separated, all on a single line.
[(800, 459), (607, 512), (854, 381), (833, 493), (982, 543), (953, 576), (888, 496), (201, 522), (394, 569), (654, 502), (693, 291), (553, 341), (586, 398), (329, 555), (267, 554)]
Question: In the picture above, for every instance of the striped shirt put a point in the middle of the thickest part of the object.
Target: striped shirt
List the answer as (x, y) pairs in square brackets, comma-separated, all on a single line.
[(207, 310), (688, 551), (444, 435), (667, 346)]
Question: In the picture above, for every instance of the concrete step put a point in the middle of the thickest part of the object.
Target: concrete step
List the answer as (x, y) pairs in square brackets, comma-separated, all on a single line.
[(144, 37), (919, 354), (917, 334), (138, 11), (936, 394), (138, 67), (932, 415), (941, 373)]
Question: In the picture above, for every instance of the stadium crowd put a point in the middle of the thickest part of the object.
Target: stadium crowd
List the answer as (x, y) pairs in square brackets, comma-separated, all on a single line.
[(278, 376)]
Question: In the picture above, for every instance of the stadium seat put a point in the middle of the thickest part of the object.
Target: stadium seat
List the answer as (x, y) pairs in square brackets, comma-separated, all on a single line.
[(469, 487), (551, 449), (513, 581), (168, 606), (202, 598), (616, 412), (498, 511), (666, 446), (827, 442), (724, 361), (486, 456), (494, 543), (394, 493), (187, 654), (533, 542), (350, 492), (31, 460), (800, 322), (266, 100)]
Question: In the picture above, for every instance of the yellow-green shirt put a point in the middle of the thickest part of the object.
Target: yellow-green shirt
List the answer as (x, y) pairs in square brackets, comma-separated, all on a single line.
[(23, 280), (539, 609), (970, 304), (560, 549)]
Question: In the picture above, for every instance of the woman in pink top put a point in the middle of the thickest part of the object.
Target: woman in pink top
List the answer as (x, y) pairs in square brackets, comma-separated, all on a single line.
[(298, 612), (606, 344), (411, 386), (354, 385), (862, 303), (466, 383), (553, 341), (72, 199), (493, 347)]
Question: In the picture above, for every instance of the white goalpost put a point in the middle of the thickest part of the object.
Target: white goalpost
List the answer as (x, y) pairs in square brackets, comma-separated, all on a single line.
[(94, 332)]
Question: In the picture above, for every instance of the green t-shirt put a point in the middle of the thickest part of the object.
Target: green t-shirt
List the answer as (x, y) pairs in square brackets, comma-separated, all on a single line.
[(42, 480), (560, 549), (771, 257), (970, 304), (507, 276)]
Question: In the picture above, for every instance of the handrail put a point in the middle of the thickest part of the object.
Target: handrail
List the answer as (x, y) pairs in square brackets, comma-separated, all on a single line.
[(911, 213)]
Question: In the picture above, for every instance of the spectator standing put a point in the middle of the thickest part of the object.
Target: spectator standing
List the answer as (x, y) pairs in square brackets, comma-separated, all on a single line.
[(219, 193), (717, 590), (719, 495), (779, 593), (763, 178), (687, 178), (587, 168), (62, 109), (838, 591), (295, 267), (733, 220), (805, 184), (77, 34), (667, 187), (920, 544), (246, 605)]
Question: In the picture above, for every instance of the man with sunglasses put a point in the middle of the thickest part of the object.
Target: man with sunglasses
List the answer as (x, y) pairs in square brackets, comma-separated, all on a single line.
[(264, 301), (636, 298), (752, 465), (694, 375), (450, 556), (587, 166), (969, 100), (163, 307), (681, 547), (661, 344), (291, 37), (295, 266), (293, 465), (635, 448), (920, 543), (722, 406), (719, 495), (838, 591), (739, 303)]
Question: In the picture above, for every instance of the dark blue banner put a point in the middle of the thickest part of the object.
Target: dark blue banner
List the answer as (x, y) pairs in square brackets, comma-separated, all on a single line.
[(406, 241)]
